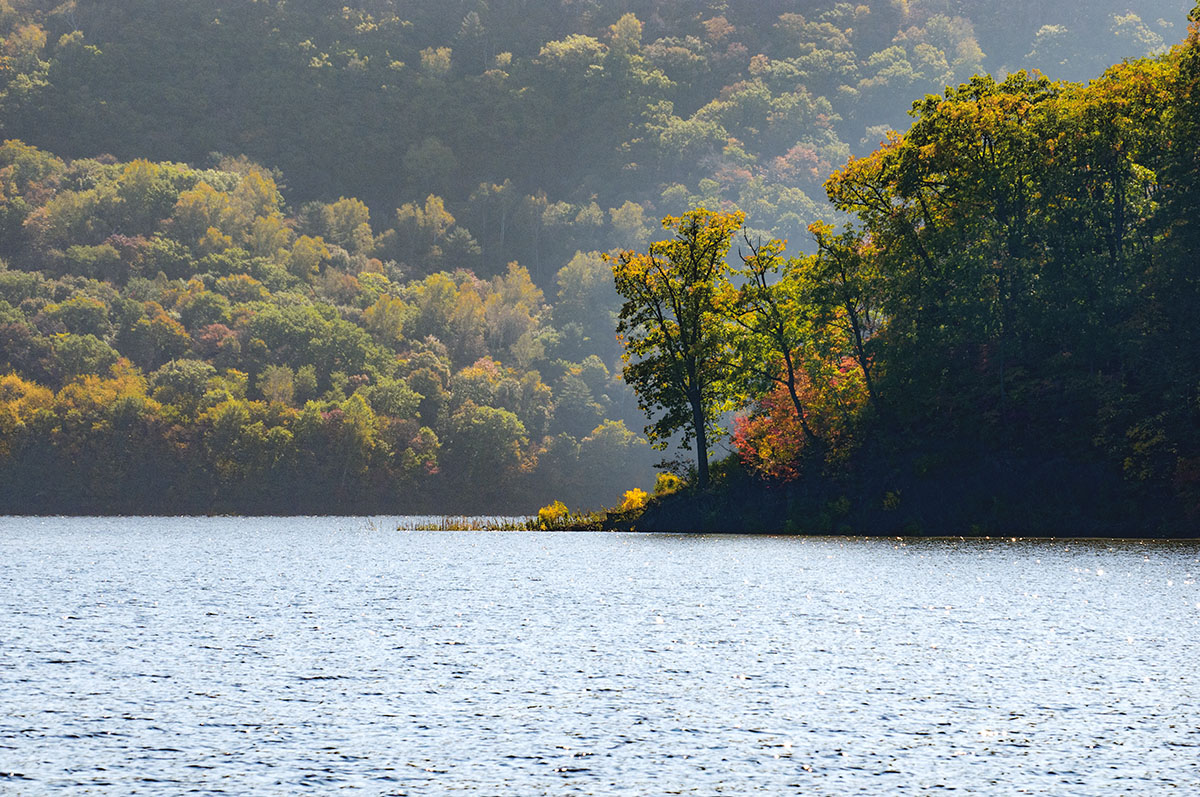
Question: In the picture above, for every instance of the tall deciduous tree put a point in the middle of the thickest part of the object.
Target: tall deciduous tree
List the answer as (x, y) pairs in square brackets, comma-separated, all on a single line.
[(843, 283), (770, 326), (675, 343)]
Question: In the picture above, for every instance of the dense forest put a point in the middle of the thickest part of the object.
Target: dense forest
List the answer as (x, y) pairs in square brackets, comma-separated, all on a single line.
[(290, 256), (547, 126), (1002, 340), (186, 345)]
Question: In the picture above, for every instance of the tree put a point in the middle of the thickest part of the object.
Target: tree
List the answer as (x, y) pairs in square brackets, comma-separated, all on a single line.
[(675, 344), (77, 355), (385, 319), (307, 256), (182, 383), (483, 447), (770, 326), (966, 209), (277, 384), (588, 304), (843, 283), (347, 223), (801, 333), (420, 231), (81, 315)]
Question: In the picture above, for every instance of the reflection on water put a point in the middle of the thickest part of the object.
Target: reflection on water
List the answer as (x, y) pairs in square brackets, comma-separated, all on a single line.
[(272, 655)]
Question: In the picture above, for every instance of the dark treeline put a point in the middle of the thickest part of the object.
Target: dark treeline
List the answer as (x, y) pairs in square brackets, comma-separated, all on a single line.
[(1002, 341)]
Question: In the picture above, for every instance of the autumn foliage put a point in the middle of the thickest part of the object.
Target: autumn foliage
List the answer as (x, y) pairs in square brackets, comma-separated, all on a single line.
[(770, 440)]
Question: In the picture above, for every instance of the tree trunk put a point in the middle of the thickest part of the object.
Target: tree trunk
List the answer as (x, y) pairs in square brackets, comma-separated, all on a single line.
[(797, 404), (701, 440)]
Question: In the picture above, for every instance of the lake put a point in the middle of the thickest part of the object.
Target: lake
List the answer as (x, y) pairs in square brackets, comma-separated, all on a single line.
[(279, 655)]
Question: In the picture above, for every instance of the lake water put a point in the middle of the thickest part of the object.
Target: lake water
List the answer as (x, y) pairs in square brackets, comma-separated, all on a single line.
[(274, 656)]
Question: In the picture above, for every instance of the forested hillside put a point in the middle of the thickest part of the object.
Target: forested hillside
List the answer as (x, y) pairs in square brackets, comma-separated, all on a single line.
[(182, 344), (282, 256), (547, 126)]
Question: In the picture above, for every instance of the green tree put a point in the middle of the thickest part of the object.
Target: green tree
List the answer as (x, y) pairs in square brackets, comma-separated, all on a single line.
[(770, 327), (183, 383), (277, 384), (81, 315), (483, 447), (676, 348), (77, 355), (586, 306), (576, 411)]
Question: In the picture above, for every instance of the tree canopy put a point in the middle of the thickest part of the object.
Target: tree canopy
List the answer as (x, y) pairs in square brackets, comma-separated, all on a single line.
[(1017, 287), (175, 339), (675, 350)]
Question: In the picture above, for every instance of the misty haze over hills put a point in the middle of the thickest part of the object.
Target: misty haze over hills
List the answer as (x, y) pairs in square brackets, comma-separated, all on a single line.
[(746, 102)]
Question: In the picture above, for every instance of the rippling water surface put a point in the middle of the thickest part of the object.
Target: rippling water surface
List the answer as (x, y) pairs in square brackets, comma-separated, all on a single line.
[(264, 656)]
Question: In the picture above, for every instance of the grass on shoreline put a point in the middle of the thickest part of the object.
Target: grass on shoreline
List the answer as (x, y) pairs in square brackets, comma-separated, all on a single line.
[(583, 521), (556, 516), (469, 523)]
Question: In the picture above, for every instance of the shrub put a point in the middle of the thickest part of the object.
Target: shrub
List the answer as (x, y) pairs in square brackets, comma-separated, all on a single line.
[(553, 515), (634, 499), (667, 483)]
